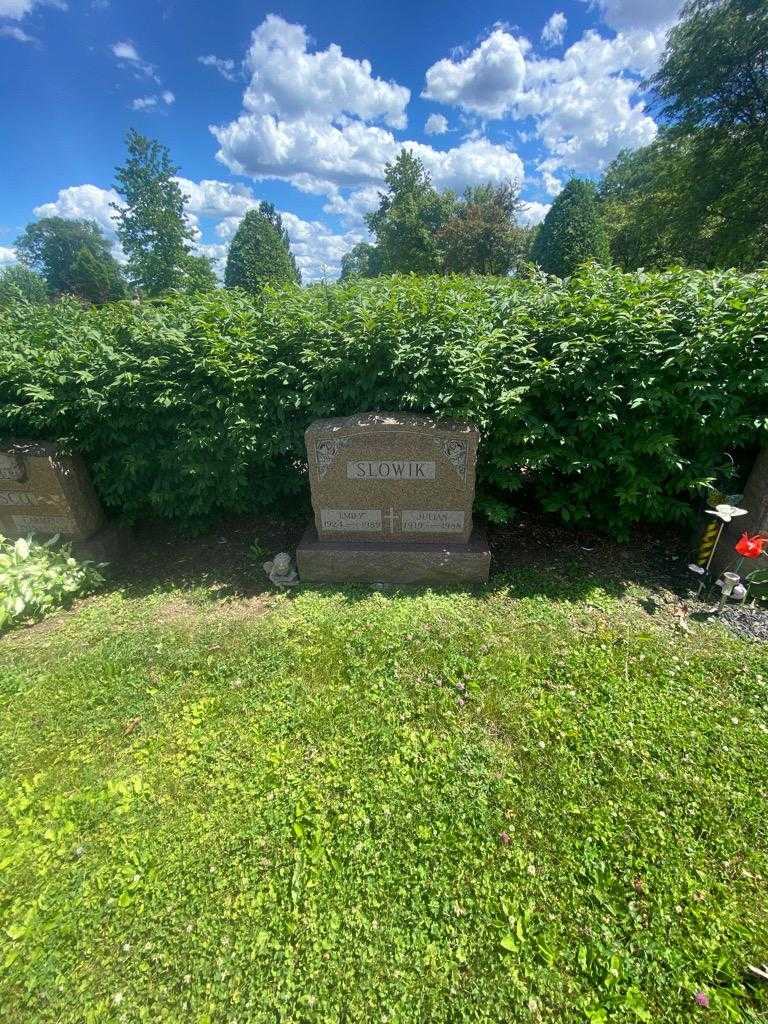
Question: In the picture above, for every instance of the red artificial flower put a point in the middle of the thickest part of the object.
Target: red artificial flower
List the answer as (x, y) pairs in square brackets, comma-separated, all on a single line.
[(751, 547)]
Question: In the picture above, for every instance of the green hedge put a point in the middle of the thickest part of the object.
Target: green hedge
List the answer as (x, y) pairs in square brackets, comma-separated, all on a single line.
[(610, 397)]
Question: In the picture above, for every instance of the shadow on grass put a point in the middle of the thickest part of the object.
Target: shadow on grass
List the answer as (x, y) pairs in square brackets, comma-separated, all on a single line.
[(532, 558)]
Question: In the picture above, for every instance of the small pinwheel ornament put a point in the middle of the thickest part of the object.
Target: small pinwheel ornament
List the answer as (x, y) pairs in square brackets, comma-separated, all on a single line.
[(726, 512)]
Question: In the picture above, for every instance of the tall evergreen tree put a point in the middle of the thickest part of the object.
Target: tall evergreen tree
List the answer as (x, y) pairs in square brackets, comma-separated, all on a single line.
[(273, 216), (151, 225), (572, 232), (258, 255), (53, 245), (410, 215)]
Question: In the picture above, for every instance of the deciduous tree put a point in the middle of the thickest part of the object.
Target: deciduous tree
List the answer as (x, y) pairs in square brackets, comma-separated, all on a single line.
[(198, 274), (481, 236), (699, 194), (362, 260), (410, 215), (54, 246), (150, 222), (96, 280)]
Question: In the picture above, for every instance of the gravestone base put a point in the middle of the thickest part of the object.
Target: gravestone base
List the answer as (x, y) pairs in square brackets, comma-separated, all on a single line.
[(442, 563)]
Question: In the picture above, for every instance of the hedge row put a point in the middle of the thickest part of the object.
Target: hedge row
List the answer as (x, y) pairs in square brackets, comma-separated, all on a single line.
[(611, 397)]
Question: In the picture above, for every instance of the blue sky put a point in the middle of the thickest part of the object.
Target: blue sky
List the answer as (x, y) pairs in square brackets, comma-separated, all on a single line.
[(303, 104)]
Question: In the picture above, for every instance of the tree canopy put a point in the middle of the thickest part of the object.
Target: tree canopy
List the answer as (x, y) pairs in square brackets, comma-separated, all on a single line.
[(698, 195), (259, 252), (59, 248), (420, 230), (411, 213), (362, 260), (572, 232), (198, 274), (19, 282), (482, 236), (150, 222)]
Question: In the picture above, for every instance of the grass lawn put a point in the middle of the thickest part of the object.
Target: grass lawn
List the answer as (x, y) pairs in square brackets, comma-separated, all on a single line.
[(534, 803)]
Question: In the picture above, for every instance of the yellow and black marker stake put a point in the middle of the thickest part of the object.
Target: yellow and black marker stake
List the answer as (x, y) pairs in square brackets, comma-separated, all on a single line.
[(709, 535)]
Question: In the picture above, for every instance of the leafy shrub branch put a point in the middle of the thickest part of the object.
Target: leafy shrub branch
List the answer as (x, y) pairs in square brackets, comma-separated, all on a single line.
[(610, 397)]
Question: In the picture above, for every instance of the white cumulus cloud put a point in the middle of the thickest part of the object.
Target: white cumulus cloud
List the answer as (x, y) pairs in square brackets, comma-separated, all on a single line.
[(318, 249), (313, 154), (474, 162), (309, 119), (83, 202), (553, 32), (353, 206), (585, 106), (7, 256), (627, 14), (436, 124), (288, 80), (487, 82), (532, 213), (321, 157), (216, 199)]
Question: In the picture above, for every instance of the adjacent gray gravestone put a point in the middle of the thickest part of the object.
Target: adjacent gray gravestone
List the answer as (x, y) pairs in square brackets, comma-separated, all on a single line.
[(45, 493), (392, 495)]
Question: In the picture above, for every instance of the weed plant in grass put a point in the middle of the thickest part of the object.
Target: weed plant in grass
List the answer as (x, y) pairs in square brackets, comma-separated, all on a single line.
[(366, 807)]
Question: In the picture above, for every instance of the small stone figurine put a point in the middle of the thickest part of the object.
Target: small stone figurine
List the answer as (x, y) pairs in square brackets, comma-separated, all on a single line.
[(280, 570)]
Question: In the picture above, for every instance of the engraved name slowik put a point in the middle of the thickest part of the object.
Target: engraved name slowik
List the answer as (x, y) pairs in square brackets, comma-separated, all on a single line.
[(390, 469)]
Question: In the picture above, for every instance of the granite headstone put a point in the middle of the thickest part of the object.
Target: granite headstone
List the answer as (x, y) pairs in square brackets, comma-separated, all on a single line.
[(392, 495), (45, 493)]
